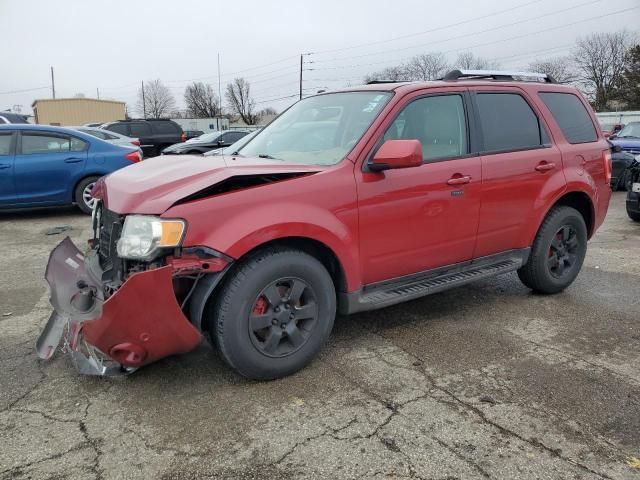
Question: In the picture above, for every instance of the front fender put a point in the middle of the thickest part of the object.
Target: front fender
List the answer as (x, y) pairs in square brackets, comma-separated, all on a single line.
[(250, 229)]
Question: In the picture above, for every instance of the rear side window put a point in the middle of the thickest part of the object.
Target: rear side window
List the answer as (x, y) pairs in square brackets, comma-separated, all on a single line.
[(508, 122), (5, 143), (572, 117), (140, 130), (120, 128), (37, 143), (166, 127)]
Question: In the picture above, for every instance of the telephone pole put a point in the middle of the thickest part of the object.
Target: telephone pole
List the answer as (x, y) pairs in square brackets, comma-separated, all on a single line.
[(219, 89), (98, 93), (144, 103), (53, 85), (301, 63)]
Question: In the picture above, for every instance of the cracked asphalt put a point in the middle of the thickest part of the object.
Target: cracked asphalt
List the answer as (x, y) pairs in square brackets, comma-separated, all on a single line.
[(484, 381)]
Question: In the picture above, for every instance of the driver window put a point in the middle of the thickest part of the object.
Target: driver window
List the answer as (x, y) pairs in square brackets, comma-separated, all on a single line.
[(438, 122)]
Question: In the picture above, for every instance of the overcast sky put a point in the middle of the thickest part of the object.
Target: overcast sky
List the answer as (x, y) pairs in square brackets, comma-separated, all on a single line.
[(114, 45)]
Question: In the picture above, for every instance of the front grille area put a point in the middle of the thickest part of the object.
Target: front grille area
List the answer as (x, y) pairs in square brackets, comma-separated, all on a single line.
[(109, 230)]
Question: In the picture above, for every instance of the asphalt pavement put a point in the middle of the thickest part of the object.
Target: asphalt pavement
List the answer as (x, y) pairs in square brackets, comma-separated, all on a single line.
[(484, 381)]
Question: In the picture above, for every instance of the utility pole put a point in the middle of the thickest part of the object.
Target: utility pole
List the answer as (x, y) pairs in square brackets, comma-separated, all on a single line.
[(219, 91), (301, 63), (53, 85), (144, 103), (98, 93)]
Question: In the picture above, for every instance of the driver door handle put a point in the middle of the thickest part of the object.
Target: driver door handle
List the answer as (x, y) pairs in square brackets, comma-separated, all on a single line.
[(4, 165), (545, 167), (459, 180), (72, 160)]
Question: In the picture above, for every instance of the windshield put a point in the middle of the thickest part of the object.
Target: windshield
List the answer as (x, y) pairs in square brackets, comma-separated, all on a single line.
[(318, 130), (207, 137), (631, 130)]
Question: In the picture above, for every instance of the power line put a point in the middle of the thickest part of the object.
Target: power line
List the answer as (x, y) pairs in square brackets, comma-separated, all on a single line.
[(499, 12), (465, 35), (502, 40), (25, 90)]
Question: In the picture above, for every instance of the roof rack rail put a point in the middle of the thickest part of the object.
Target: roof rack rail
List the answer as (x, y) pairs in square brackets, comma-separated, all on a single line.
[(497, 75), (378, 82)]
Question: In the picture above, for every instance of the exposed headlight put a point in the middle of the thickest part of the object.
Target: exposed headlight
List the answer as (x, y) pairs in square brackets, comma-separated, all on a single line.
[(143, 235)]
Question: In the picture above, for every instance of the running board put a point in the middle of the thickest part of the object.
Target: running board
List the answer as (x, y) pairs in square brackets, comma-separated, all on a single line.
[(414, 286)]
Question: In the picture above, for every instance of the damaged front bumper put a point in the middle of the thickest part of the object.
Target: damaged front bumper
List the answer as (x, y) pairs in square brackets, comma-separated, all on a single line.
[(137, 325)]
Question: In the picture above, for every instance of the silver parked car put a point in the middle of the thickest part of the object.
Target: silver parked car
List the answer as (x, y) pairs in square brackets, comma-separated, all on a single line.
[(111, 137)]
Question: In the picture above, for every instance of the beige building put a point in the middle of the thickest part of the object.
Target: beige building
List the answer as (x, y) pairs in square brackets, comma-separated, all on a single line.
[(77, 111)]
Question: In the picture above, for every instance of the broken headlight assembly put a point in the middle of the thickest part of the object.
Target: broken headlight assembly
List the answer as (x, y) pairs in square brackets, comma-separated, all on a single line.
[(143, 236)]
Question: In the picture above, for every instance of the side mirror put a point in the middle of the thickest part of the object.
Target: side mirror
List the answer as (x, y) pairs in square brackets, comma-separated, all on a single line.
[(612, 137), (397, 154)]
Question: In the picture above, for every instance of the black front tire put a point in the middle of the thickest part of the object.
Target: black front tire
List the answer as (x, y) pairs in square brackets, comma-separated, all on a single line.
[(80, 194), (232, 314), (554, 262)]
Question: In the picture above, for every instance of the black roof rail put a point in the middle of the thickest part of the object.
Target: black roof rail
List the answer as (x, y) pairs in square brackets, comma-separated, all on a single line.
[(500, 75), (378, 82)]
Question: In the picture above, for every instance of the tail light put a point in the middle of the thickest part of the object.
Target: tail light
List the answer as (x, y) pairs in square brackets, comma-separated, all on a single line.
[(134, 157), (183, 137), (136, 142), (606, 158)]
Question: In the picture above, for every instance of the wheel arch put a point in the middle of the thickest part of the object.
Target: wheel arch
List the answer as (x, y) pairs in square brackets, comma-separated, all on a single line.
[(80, 178), (212, 283), (580, 201)]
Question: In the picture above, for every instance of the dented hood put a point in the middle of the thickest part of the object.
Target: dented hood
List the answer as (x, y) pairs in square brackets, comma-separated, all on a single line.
[(154, 185)]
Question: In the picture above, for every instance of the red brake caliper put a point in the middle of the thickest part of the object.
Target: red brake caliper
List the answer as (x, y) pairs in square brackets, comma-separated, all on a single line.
[(260, 308)]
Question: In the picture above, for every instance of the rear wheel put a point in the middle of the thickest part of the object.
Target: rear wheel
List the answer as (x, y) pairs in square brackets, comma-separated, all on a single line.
[(274, 313), (82, 195), (557, 253)]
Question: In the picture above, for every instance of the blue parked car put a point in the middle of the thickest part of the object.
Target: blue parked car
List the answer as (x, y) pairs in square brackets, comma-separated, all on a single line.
[(628, 138), (44, 166)]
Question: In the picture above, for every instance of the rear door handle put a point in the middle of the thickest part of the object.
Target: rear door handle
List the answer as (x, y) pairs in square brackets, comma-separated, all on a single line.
[(545, 167), (461, 180), (4, 165), (72, 160)]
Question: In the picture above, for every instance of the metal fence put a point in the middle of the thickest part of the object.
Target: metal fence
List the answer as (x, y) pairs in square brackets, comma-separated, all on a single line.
[(609, 119)]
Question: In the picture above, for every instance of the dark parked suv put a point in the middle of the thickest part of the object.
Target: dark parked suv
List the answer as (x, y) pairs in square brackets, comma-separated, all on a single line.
[(154, 134), (348, 201)]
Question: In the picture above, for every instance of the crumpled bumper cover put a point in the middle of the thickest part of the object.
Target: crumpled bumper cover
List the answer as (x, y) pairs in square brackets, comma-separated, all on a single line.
[(137, 325)]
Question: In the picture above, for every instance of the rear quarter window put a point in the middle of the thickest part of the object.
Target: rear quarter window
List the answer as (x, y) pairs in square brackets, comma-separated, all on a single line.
[(571, 115), (166, 127), (508, 123), (120, 128)]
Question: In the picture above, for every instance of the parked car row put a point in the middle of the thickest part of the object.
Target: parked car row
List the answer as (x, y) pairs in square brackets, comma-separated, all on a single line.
[(206, 142), (46, 166)]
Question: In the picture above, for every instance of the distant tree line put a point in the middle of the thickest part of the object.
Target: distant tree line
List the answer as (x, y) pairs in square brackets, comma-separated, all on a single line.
[(605, 66), (201, 102)]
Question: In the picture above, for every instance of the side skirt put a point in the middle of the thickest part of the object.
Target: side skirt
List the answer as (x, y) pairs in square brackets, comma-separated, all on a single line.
[(409, 287)]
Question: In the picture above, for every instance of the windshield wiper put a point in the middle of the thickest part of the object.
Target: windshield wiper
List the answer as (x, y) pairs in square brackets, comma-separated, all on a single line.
[(628, 136), (264, 155)]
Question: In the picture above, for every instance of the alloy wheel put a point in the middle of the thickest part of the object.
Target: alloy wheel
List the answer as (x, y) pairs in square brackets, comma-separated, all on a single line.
[(88, 200), (283, 317), (563, 251)]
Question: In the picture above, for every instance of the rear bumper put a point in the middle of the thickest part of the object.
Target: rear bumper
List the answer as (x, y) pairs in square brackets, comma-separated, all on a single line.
[(137, 325)]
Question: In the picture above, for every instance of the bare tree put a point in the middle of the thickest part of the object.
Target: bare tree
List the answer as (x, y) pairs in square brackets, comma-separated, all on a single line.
[(238, 96), (600, 59), (158, 100), (391, 74), (560, 68), (468, 61), (427, 66), (201, 101)]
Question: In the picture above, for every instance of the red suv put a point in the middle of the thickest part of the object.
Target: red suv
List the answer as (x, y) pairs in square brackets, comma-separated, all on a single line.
[(348, 201)]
